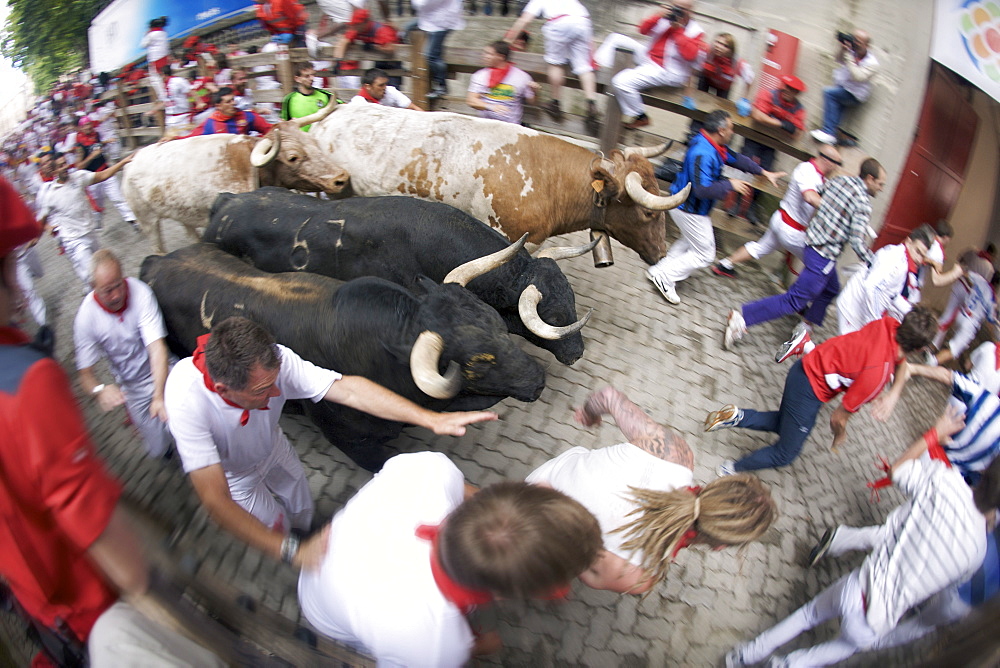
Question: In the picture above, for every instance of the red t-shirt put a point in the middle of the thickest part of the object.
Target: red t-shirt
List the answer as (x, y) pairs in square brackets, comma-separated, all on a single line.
[(379, 34), (770, 102), (858, 364), (56, 498)]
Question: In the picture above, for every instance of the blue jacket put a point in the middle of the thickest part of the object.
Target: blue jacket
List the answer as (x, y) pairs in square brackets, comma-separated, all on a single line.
[(703, 170)]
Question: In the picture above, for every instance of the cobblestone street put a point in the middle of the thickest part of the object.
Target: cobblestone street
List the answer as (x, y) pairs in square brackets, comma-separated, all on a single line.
[(669, 360)]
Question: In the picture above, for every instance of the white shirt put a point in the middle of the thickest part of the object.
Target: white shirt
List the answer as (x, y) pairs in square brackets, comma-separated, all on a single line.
[(859, 89), (375, 590), (156, 43), (935, 540), (121, 338), (984, 367), (67, 206), (108, 124), (340, 10), (600, 480), (438, 15), (208, 431), (550, 9), (509, 94), (878, 289), (805, 178), (936, 254), (392, 98), (178, 89)]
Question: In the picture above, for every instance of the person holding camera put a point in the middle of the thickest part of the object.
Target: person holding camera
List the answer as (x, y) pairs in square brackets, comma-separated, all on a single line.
[(852, 82), (677, 41)]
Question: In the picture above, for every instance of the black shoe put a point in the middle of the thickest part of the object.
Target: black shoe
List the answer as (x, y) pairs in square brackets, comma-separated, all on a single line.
[(591, 122), (640, 121), (553, 110), (822, 547), (721, 270)]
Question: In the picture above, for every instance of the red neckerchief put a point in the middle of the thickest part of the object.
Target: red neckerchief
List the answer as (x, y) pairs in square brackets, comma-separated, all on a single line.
[(911, 266), (462, 597), (155, 29), (222, 118), (120, 312), (996, 354), (812, 161), (497, 75), (934, 451), (12, 336), (368, 96), (199, 363), (691, 534), (723, 153)]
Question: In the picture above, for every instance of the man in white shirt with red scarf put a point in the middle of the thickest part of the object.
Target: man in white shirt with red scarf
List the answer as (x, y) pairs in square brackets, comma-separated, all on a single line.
[(121, 321)]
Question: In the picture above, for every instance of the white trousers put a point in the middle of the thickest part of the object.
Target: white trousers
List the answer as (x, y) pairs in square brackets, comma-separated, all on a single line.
[(941, 609), (29, 267), (155, 435), (628, 84), (842, 599), (79, 251), (276, 492), (567, 40), (109, 189), (779, 235), (605, 54), (123, 636), (984, 367), (694, 250)]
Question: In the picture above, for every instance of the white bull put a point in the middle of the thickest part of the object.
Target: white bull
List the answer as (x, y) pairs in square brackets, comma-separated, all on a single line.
[(179, 180), (515, 179)]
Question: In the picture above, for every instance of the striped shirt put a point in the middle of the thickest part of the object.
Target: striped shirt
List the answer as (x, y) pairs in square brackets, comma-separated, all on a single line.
[(973, 448), (937, 539), (842, 217)]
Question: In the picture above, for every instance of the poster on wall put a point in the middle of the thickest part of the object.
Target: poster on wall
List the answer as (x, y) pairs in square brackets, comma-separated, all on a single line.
[(966, 40), (115, 33)]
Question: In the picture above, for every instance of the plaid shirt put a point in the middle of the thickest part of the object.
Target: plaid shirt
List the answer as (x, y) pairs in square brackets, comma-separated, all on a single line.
[(843, 216)]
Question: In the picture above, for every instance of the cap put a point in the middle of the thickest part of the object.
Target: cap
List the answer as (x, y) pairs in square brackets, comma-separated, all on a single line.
[(793, 82), (17, 223), (360, 16)]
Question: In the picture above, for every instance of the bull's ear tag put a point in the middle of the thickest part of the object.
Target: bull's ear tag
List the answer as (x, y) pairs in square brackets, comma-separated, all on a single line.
[(597, 185)]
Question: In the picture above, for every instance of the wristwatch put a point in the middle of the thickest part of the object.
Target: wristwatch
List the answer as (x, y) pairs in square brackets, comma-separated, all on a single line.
[(98, 389)]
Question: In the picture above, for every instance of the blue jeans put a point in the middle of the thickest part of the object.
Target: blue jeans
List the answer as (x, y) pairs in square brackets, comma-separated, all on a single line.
[(792, 422), (811, 293), (434, 53), (835, 99)]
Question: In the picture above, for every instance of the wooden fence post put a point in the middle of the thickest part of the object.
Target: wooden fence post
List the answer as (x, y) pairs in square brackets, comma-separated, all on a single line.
[(126, 121), (420, 74), (283, 67), (612, 130)]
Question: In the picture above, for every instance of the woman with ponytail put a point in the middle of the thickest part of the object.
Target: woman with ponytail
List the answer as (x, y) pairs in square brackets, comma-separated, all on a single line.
[(643, 496)]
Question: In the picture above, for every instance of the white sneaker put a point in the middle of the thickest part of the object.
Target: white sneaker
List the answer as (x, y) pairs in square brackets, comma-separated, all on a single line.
[(734, 658), (665, 287), (727, 467), (823, 137), (736, 329)]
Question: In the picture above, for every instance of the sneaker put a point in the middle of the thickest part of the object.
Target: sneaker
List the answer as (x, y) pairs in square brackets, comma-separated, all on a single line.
[(436, 93), (640, 121), (727, 468), (822, 547), (734, 657), (665, 287), (591, 122), (793, 346), (727, 416), (553, 110), (720, 269), (312, 44), (736, 329), (823, 137)]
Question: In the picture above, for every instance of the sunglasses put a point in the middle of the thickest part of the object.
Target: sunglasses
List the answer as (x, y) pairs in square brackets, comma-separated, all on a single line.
[(826, 157)]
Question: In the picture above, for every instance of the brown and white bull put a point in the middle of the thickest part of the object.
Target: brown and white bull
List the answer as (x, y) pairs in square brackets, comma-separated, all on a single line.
[(178, 180), (513, 178)]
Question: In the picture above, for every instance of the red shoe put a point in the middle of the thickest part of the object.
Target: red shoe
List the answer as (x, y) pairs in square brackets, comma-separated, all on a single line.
[(640, 121)]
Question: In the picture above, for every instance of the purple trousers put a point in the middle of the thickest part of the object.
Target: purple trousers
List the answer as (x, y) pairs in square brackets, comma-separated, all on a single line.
[(811, 293)]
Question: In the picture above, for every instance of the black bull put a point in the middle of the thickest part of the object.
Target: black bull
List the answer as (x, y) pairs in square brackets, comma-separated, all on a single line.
[(364, 327), (395, 238)]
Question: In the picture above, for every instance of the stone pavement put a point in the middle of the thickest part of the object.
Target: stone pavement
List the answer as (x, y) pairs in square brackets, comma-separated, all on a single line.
[(669, 360)]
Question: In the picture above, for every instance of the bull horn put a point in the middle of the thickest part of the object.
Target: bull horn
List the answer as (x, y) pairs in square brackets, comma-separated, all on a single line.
[(633, 186), (464, 273), (527, 307), (266, 150), (566, 252), (648, 151), (424, 358), (317, 117)]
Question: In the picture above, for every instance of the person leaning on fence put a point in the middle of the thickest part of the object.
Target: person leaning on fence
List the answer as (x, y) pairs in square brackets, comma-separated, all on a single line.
[(641, 493), (285, 20), (70, 557), (305, 99), (226, 118), (375, 89), (500, 89), (852, 83)]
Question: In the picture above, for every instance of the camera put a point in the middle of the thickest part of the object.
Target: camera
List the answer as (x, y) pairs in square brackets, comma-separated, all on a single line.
[(847, 39), (675, 15)]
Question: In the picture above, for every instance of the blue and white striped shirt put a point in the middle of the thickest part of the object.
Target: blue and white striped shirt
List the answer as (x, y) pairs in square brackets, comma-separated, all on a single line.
[(973, 448)]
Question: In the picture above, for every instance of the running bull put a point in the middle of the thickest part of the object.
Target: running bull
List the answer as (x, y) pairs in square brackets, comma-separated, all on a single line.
[(437, 345), (178, 180), (515, 179), (400, 239)]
